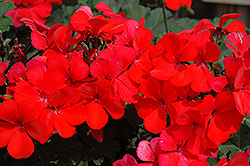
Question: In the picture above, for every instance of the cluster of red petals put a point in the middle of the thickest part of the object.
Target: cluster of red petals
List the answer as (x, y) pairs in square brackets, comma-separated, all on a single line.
[(182, 67), (37, 10), (91, 68)]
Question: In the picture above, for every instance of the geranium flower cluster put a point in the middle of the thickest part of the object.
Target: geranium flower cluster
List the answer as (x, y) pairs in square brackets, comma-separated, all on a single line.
[(37, 10), (90, 69)]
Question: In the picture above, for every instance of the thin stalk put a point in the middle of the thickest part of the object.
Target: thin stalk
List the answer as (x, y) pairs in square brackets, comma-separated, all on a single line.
[(165, 16), (39, 52)]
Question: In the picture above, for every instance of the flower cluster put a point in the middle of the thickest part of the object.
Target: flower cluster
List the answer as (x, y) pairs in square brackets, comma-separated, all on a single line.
[(91, 68)]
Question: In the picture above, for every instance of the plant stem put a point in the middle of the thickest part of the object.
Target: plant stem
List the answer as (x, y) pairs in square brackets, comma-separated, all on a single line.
[(165, 16), (30, 58)]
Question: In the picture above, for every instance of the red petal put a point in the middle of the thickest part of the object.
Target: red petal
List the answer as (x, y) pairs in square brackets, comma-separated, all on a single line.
[(114, 108), (79, 21), (173, 5), (126, 88), (97, 116), (218, 83), (53, 80), (97, 134), (217, 132), (21, 145), (62, 37), (172, 159), (18, 69), (38, 41), (63, 98), (75, 114), (146, 106), (156, 121), (202, 75), (35, 76), (144, 151), (63, 128), (227, 17), (9, 111), (127, 55), (242, 99), (78, 69), (142, 39), (37, 130), (236, 25), (7, 131), (182, 77)]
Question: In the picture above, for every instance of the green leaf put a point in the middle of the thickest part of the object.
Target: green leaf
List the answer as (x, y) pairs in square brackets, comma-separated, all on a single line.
[(5, 23), (181, 24), (5, 7), (241, 139), (155, 21), (228, 150), (137, 11), (98, 161)]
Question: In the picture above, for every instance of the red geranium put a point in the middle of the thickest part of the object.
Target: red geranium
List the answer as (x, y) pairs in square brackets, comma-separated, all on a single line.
[(17, 126)]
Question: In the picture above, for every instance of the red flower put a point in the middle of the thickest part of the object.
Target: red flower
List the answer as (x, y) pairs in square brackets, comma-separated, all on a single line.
[(235, 25), (149, 151), (176, 4), (74, 69), (33, 10), (95, 27), (64, 112), (223, 119), (157, 101), (40, 85), (207, 52), (97, 96), (168, 60), (18, 125)]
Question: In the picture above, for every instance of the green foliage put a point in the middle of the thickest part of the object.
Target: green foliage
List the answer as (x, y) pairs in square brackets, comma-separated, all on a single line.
[(157, 25), (5, 21), (181, 24)]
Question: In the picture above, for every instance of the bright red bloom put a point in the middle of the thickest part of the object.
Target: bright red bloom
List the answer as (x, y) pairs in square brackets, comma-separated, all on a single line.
[(168, 60), (33, 10), (18, 125), (223, 119), (112, 65), (207, 52), (149, 151), (172, 141), (64, 112), (40, 84), (97, 96), (93, 28), (240, 159), (142, 65), (74, 69), (176, 4), (235, 25), (157, 99), (195, 123)]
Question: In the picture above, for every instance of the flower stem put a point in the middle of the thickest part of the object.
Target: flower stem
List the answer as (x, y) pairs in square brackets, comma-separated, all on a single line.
[(165, 16)]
